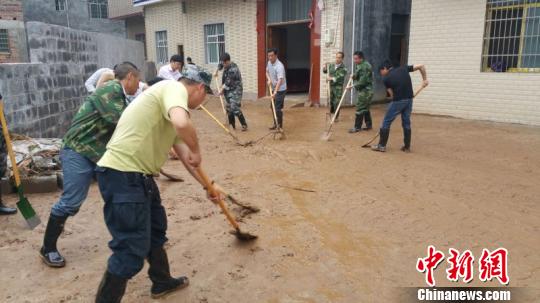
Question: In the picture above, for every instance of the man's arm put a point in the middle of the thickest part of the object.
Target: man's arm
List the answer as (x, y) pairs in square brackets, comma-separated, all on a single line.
[(422, 70), (185, 130), (91, 82)]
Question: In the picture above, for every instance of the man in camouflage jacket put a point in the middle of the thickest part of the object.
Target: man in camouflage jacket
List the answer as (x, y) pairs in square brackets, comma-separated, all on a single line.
[(363, 83), (83, 145), (336, 77), (232, 90)]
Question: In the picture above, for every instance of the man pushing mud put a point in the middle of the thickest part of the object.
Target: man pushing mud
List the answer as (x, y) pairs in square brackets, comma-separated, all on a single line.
[(134, 216)]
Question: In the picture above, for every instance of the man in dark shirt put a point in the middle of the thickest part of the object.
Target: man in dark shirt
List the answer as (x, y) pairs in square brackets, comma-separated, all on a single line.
[(399, 85)]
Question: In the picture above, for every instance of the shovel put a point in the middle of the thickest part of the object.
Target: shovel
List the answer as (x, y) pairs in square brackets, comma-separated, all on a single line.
[(225, 128), (23, 205), (242, 236), (326, 136), (279, 130), (368, 144)]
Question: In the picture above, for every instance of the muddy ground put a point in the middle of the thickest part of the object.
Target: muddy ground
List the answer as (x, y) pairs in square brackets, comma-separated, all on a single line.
[(356, 238)]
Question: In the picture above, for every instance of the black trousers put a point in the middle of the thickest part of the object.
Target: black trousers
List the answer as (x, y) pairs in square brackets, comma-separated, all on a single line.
[(279, 103)]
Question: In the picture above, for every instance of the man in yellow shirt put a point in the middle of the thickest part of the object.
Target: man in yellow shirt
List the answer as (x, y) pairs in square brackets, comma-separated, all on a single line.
[(147, 130)]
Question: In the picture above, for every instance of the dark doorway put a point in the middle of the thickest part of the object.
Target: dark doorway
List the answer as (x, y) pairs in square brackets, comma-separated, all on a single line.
[(399, 45), (180, 50), (293, 42)]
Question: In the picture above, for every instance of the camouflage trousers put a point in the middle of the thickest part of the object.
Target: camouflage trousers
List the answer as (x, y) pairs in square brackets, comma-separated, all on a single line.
[(335, 96), (233, 103), (363, 101)]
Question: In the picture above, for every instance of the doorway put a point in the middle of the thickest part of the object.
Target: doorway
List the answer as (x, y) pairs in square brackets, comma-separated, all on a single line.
[(293, 43), (399, 45)]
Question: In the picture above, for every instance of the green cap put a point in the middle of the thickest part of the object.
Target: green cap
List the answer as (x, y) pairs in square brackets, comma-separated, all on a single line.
[(198, 74)]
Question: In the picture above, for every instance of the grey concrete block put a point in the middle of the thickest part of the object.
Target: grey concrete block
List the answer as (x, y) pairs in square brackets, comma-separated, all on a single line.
[(40, 184)]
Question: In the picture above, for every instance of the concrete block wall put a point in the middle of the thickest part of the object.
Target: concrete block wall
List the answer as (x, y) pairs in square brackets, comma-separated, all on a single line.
[(75, 16), (239, 18), (42, 97), (447, 37)]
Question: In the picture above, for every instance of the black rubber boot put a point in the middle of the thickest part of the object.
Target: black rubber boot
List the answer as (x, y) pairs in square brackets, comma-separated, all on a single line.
[(4, 210), (159, 273), (49, 253), (369, 122), (232, 120), (357, 124), (242, 121), (383, 139), (111, 289), (280, 119), (406, 141)]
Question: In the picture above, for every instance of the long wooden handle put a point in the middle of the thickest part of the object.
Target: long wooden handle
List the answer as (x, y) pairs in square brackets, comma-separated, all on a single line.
[(339, 105), (9, 146), (273, 100), (213, 192), (218, 122), (220, 96), (418, 91)]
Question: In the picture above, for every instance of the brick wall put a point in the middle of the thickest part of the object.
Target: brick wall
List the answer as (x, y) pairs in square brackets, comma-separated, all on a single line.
[(11, 10), (447, 37), (239, 17)]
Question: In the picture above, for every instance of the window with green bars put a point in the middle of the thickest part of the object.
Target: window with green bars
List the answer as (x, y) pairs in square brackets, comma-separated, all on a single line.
[(512, 36), (4, 41)]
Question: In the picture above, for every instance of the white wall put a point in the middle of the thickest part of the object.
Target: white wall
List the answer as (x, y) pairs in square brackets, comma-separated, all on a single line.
[(447, 37)]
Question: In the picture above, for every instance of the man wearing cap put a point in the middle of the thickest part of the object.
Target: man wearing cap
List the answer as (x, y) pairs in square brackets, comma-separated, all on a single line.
[(172, 70), (83, 145), (148, 128)]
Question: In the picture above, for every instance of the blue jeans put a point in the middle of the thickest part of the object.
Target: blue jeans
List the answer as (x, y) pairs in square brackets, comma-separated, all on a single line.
[(134, 216), (403, 107), (78, 173)]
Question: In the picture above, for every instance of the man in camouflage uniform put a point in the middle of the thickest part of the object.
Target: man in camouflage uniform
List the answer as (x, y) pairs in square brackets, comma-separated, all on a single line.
[(4, 210), (83, 145), (363, 83), (232, 90), (336, 76)]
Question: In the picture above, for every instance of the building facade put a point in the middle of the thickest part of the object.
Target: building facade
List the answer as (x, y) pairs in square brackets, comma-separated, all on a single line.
[(132, 16), (307, 34), (13, 46), (86, 15), (482, 58)]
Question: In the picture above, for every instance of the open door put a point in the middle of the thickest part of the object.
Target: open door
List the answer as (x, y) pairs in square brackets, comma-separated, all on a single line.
[(277, 38)]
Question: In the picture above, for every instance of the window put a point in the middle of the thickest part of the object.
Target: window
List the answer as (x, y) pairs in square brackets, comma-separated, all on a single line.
[(98, 9), (512, 36), (162, 56), (60, 5), (4, 41), (279, 11), (214, 36)]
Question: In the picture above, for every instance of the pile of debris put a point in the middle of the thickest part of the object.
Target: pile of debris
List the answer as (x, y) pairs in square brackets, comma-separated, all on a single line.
[(36, 157)]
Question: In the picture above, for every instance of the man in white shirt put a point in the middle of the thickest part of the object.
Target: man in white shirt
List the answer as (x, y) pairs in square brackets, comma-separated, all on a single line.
[(275, 72), (91, 83), (172, 70)]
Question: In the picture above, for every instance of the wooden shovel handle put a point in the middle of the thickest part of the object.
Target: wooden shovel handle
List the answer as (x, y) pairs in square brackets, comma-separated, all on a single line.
[(220, 96), (273, 100), (208, 185), (9, 145), (218, 122)]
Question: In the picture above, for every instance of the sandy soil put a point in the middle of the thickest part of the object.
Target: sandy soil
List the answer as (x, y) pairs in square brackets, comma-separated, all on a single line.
[(467, 185)]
